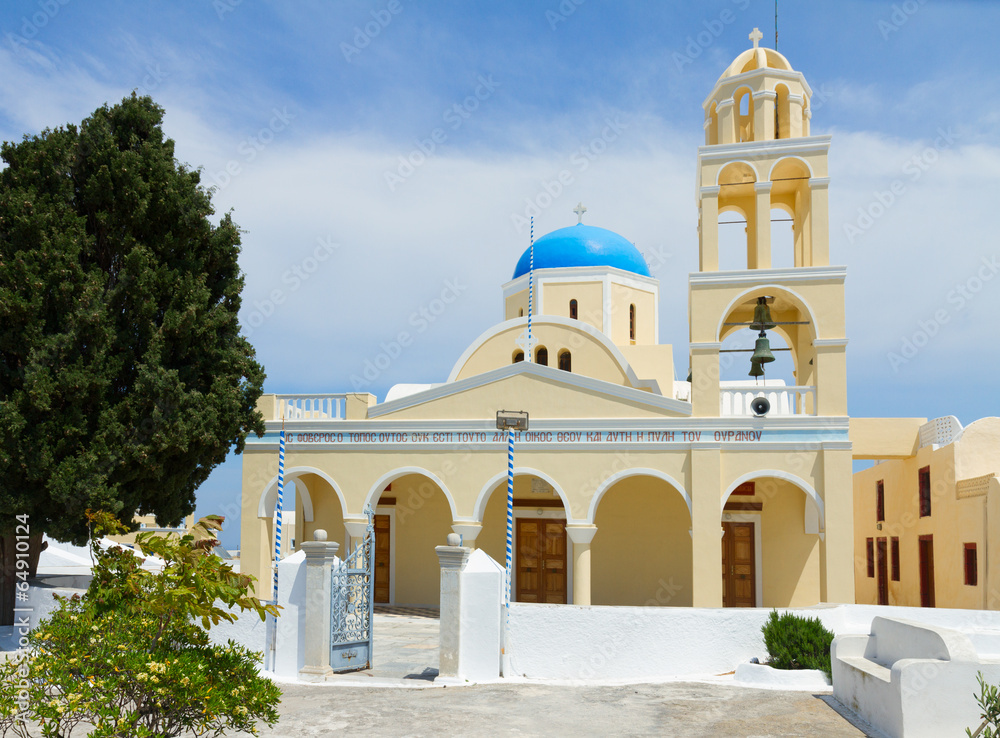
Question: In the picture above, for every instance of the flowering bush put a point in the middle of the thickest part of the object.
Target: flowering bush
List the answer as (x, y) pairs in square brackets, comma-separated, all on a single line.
[(132, 658)]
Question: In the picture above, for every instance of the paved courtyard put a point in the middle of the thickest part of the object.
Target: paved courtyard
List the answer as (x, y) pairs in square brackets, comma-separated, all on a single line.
[(397, 698)]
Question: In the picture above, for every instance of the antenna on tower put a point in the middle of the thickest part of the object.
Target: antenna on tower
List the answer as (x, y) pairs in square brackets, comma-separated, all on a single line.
[(775, 25)]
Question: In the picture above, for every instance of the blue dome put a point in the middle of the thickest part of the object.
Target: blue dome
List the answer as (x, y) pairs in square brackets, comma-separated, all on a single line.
[(583, 245)]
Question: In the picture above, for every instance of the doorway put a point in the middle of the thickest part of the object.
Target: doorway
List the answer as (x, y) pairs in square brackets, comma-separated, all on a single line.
[(541, 560), (739, 587), (882, 571), (383, 559), (926, 544)]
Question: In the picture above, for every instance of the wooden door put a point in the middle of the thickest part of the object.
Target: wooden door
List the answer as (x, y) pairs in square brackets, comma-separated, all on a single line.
[(541, 560), (882, 571), (926, 544), (739, 581), (382, 558)]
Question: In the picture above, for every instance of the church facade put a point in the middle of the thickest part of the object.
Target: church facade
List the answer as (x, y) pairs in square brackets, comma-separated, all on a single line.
[(631, 487)]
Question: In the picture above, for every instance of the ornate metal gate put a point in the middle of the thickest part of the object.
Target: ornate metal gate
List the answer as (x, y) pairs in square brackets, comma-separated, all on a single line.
[(352, 592)]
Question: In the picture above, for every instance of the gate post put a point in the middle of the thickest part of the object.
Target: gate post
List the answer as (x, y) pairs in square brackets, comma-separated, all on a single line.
[(320, 554), (453, 559)]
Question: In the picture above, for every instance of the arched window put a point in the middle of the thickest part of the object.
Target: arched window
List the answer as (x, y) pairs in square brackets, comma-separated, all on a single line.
[(542, 356), (744, 115), (518, 356), (520, 313), (565, 361), (572, 309), (631, 322)]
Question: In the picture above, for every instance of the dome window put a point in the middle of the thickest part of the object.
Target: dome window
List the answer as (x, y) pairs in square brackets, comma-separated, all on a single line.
[(518, 356), (573, 309), (542, 356), (631, 323), (565, 361)]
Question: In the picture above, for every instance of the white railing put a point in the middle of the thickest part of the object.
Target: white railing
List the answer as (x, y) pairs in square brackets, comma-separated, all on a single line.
[(310, 407), (735, 399)]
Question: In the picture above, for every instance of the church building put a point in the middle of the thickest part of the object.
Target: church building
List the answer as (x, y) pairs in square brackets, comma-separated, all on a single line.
[(631, 487)]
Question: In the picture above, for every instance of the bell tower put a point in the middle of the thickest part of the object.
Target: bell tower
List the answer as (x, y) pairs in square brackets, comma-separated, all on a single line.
[(759, 158)]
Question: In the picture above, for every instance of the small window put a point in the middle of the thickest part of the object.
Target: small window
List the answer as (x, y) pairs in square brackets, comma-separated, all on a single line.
[(747, 488), (925, 491), (565, 361), (520, 313), (971, 565), (879, 501), (542, 356), (573, 310), (518, 356), (870, 554), (631, 322), (894, 545)]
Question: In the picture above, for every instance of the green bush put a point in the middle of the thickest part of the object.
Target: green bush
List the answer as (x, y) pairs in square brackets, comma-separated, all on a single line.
[(988, 700), (132, 657), (794, 642)]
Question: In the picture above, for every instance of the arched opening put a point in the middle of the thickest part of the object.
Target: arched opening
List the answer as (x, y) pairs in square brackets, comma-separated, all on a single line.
[(732, 239), (781, 544), (573, 309), (421, 518), (782, 117), (743, 107), (565, 360), (642, 554), (790, 192), (518, 356), (542, 557), (782, 238), (631, 322), (542, 356), (712, 134)]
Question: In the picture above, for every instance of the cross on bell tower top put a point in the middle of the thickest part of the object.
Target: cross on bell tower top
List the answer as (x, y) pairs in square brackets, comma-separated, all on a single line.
[(579, 210), (756, 36)]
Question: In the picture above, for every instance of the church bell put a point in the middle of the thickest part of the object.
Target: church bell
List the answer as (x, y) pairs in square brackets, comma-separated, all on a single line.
[(756, 370), (762, 350), (762, 316)]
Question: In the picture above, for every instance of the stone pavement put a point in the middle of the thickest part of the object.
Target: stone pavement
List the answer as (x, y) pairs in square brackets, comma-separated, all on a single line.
[(376, 701)]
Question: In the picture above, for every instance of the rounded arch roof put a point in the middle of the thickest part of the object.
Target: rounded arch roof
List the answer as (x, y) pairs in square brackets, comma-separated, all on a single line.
[(583, 245), (759, 58)]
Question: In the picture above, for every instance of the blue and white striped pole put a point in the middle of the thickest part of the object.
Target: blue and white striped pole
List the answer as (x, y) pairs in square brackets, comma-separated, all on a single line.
[(510, 543), (277, 541), (531, 288)]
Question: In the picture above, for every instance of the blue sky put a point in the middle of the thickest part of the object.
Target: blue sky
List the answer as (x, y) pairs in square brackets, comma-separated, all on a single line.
[(303, 115)]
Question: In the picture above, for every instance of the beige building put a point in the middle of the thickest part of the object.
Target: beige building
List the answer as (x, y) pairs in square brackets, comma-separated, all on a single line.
[(631, 487), (927, 525)]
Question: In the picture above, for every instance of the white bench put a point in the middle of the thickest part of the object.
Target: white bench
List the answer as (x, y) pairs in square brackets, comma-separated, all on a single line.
[(909, 679)]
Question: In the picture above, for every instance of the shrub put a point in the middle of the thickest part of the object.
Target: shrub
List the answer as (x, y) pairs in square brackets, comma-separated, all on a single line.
[(795, 642), (132, 656), (988, 700)]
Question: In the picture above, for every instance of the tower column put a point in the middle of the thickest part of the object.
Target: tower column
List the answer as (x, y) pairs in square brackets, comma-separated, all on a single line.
[(797, 123), (760, 255), (836, 549), (727, 121), (709, 253), (763, 124), (831, 376), (818, 245), (705, 379)]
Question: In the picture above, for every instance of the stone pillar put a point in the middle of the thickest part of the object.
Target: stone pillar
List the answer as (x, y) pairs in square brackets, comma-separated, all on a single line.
[(357, 529), (709, 252), (706, 524), (468, 531), (320, 554), (761, 252), (763, 113), (705, 379), (727, 121), (836, 546), (581, 536), (452, 559), (818, 246)]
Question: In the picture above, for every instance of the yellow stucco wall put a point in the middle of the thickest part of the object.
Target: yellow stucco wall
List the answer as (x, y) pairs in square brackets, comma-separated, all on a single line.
[(589, 299), (953, 522)]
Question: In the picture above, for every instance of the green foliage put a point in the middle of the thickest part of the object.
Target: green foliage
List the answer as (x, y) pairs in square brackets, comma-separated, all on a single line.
[(988, 700), (132, 656), (124, 379), (795, 642)]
